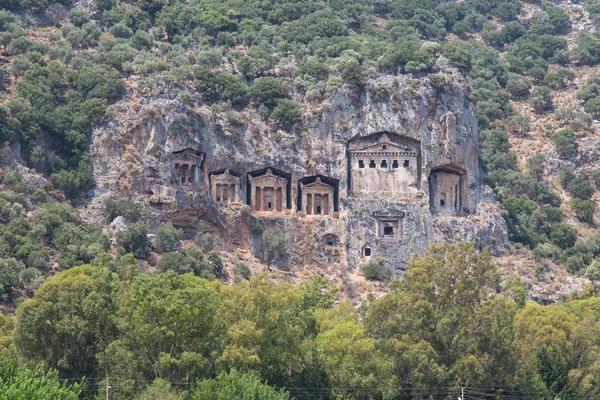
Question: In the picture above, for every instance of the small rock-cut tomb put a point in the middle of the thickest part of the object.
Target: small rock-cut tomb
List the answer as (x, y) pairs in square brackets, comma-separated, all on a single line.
[(187, 165), (317, 197), (268, 192), (224, 186)]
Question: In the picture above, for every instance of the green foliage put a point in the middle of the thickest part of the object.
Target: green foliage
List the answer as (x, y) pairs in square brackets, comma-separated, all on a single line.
[(206, 241), (237, 386), (287, 113), (269, 90), (580, 188), (134, 239), (541, 99), (160, 389), (17, 382), (49, 327), (167, 237), (376, 272), (564, 140), (114, 207), (273, 245)]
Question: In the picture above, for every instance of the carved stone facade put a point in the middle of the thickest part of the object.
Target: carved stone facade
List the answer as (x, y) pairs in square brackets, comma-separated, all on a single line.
[(225, 187), (446, 190), (382, 168), (268, 192), (187, 166), (317, 198)]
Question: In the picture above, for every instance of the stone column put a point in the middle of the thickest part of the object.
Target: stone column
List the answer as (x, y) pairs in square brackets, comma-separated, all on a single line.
[(259, 199), (283, 198), (308, 204)]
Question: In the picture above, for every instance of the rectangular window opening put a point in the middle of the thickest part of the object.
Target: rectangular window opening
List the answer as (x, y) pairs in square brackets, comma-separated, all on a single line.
[(388, 231), (406, 163), (361, 164), (395, 164), (384, 164), (372, 164), (367, 252)]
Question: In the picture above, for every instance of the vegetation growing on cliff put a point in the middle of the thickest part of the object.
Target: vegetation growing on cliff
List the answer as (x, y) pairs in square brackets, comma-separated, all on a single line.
[(447, 324)]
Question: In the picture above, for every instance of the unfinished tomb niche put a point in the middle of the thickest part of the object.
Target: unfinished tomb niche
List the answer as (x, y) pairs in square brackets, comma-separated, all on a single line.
[(446, 190), (224, 186), (269, 190), (389, 224), (384, 165), (318, 195), (187, 165)]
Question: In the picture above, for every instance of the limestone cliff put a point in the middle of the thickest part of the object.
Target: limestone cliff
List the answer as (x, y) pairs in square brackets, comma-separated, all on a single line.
[(138, 154)]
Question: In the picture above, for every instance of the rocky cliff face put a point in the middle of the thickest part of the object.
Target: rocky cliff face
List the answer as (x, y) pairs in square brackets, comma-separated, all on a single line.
[(138, 156)]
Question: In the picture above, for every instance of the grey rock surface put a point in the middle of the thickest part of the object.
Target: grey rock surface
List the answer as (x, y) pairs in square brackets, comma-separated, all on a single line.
[(132, 158)]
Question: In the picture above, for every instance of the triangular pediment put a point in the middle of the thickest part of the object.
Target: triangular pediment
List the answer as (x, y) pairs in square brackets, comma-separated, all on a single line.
[(384, 144), (318, 184)]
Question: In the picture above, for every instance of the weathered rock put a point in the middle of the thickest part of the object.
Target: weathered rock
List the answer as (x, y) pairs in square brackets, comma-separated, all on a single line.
[(133, 158)]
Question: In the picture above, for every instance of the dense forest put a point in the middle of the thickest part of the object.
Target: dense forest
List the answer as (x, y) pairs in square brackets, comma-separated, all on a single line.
[(79, 311)]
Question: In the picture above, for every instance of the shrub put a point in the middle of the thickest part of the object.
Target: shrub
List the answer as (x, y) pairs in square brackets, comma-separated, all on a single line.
[(580, 188), (78, 17), (121, 31), (269, 90), (287, 113), (518, 86), (135, 240), (541, 99), (173, 261), (564, 140), (206, 241), (242, 270), (376, 272), (563, 235), (167, 237), (584, 209), (114, 208)]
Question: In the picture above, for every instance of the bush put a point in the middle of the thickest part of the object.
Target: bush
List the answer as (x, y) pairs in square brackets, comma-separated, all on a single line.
[(78, 17), (580, 188), (206, 241), (114, 208), (173, 261), (376, 272), (287, 113), (584, 209), (135, 240), (541, 99), (518, 86), (269, 90), (242, 270), (121, 31), (564, 140), (167, 237), (563, 235)]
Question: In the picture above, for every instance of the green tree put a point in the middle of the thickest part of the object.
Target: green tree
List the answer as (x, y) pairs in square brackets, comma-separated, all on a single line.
[(134, 239), (584, 209), (69, 320), (237, 386), (17, 382), (160, 389), (350, 357), (167, 237), (273, 245), (165, 324), (541, 99), (287, 113)]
